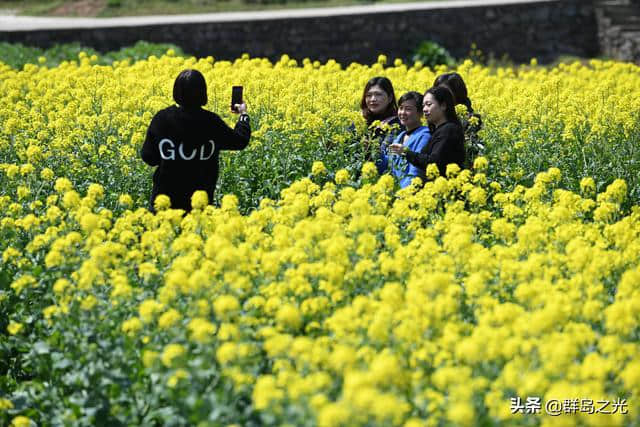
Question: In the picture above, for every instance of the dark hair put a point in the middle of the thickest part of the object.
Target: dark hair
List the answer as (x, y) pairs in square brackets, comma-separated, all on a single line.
[(190, 89), (456, 85), (443, 95), (392, 108), (415, 96)]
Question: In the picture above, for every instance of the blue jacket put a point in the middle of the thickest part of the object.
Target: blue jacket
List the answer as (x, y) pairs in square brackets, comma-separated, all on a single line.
[(400, 167)]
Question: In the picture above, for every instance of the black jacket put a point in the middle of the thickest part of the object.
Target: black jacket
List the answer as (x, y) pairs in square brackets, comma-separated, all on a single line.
[(185, 143), (445, 146)]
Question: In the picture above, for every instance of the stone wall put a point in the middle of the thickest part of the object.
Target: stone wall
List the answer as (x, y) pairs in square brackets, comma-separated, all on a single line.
[(619, 28), (543, 29)]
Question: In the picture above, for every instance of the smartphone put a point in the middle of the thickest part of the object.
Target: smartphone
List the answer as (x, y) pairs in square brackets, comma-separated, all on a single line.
[(236, 97)]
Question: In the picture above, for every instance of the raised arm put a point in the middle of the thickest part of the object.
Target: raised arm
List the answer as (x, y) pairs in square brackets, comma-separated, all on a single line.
[(236, 138), (430, 153)]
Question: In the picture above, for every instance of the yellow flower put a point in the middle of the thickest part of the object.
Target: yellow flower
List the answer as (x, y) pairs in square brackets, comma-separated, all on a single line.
[(23, 192), (229, 203), (147, 269), (289, 317), (50, 311), (266, 391), (201, 330), (148, 309), (132, 326), (61, 285), (14, 327), (71, 199), (334, 415), (170, 353), (478, 196), (174, 379), (125, 200), (21, 421), (22, 282), (414, 422), (342, 176), (169, 318), (588, 185), (480, 164), (318, 168), (225, 306), (432, 171), (10, 254), (369, 171), (162, 202), (95, 191), (46, 174), (226, 353), (5, 404), (199, 200), (148, 358), (89, 222), (63, 185), (452, 170)]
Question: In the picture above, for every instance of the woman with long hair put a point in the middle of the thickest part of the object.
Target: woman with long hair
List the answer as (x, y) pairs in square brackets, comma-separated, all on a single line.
[(471, 121), (380, 110)]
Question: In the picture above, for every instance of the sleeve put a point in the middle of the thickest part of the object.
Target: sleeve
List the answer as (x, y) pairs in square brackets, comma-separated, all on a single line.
[(232, 139), (438, 151), (422, 158), (382, 162), (419, 147), (150, 153)]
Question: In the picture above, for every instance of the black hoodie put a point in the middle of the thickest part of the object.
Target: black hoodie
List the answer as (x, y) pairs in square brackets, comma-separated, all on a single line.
[(185, 143)]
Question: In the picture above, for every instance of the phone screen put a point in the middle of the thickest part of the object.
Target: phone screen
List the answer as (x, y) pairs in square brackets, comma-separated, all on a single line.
[(236, 96)]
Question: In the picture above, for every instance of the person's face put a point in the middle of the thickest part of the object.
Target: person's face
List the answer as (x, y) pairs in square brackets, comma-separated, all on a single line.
[(409, 115), (433, 111), (377, 99)]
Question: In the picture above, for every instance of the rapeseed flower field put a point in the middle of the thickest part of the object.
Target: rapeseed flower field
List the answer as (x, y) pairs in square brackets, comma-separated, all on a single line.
[(314, 292)]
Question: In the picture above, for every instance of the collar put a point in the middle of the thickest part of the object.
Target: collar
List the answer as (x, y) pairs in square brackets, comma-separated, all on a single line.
[(409, 132)]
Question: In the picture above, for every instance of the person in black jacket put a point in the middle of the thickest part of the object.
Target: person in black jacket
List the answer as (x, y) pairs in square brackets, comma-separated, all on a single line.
[(184, 142), (471, 121), (447, 137)]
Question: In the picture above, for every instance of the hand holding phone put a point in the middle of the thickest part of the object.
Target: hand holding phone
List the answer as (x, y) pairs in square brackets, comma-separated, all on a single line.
[(236, 98), (397, 148)]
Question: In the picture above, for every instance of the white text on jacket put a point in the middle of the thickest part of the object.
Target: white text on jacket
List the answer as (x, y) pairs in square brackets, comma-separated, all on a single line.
[(168, 150)]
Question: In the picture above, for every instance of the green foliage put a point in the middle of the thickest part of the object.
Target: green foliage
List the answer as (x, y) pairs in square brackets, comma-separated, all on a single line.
[(17, 55), (432, 54), (265, 170)]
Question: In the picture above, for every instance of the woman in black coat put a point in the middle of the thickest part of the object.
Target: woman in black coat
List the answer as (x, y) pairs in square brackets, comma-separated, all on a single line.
[(184, 142), (446, 145), (471, 121)]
